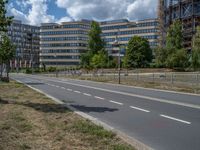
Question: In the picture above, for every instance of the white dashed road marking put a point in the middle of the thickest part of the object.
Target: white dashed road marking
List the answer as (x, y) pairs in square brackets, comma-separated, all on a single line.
[(137, 108), (69, 90), (116, 102), (99, 97), (77, 92), (176, 119), (86, 94)]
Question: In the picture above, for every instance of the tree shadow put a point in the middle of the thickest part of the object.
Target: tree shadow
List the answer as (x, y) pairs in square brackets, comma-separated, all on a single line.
[(93, 109), (58, 108), (47, 107)]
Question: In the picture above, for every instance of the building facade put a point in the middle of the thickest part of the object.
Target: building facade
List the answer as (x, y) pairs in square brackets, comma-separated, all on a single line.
[(124, 30), (62, 44), (187, 11), (27, 41)]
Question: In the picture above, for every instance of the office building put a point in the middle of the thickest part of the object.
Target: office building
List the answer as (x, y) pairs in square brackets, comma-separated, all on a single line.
[(187, 11), (26, 39), (124, 30), (62, 44)]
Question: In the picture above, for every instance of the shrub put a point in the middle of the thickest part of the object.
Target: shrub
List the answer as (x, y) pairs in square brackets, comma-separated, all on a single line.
[(28, 71)]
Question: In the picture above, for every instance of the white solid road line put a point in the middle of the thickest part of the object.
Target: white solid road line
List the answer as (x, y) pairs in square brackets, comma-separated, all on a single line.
[(77, 92), (116, 102), (176, 119), (99, 97), (86, 94), (137, 108)]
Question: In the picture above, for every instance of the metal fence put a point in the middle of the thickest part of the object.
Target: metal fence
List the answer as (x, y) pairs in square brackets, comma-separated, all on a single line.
[(190, 79)]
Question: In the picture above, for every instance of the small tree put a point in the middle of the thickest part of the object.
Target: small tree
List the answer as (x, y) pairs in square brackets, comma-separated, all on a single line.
[(196, 50), (86, 60), (5, 21), (160, 56), (138, 53), (175, 36), (7, 52), (173, 55), (95, 45), (178, 59), (100, 60)]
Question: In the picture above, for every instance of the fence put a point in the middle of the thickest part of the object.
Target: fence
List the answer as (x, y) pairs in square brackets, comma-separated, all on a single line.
[(187, 80)]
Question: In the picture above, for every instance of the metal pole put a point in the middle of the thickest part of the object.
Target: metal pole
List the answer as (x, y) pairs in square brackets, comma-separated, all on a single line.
[(119, 68)]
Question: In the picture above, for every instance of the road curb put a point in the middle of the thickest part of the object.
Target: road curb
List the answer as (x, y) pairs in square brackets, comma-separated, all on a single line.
[(130, 140)]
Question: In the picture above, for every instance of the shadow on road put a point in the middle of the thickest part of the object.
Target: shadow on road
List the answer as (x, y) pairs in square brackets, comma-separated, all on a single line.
[(34, 83), (93, 109)]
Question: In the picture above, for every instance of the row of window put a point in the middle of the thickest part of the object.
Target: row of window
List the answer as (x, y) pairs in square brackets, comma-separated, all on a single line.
[(145, 24), (130, 32), (67, 26), (64, 45), (152, 44), (128, 38), (114, 27), (60, 57), (62, 51), (65, 39), (64, 32), (61, 63)]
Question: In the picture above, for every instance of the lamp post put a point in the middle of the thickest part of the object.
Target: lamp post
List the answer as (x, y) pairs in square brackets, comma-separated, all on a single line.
[(55, 55), (116, 44)]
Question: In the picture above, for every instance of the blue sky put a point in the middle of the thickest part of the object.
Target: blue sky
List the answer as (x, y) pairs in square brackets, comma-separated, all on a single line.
[(36, 12)]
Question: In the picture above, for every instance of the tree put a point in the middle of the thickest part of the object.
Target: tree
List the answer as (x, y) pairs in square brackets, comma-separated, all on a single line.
[(173, 55), (5, 21), (175, 36), (100, 60), (178, 59), (95, 45), (86, 60), (7, 52), (196, 50), (160, 56), (138, 53)]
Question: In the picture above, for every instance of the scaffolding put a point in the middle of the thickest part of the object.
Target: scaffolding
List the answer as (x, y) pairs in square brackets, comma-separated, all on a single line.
[(187, 11)]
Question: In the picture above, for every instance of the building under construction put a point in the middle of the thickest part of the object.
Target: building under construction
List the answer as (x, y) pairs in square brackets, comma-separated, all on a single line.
[(187, 11)]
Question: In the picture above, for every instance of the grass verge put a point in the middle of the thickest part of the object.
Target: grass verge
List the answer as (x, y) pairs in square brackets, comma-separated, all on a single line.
[(29, 120)]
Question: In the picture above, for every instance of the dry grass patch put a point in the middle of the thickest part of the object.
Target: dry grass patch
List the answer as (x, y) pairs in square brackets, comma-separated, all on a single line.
[(29, 120)]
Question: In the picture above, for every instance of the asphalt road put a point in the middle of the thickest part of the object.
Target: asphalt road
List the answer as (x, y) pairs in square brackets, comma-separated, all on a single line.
[(160, 119)]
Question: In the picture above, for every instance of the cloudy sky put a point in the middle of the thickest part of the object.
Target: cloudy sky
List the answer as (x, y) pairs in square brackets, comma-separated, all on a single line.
[(35, 12)]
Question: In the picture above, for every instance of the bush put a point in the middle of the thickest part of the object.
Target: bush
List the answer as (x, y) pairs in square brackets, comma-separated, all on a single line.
[(28, 71), (51, 69), (5, 79), (37, 70)]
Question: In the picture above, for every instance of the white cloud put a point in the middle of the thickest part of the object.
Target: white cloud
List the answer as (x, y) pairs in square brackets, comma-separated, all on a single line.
[(136, 9), (84, 9), (109, 9), (64, 19), (36, 14)]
